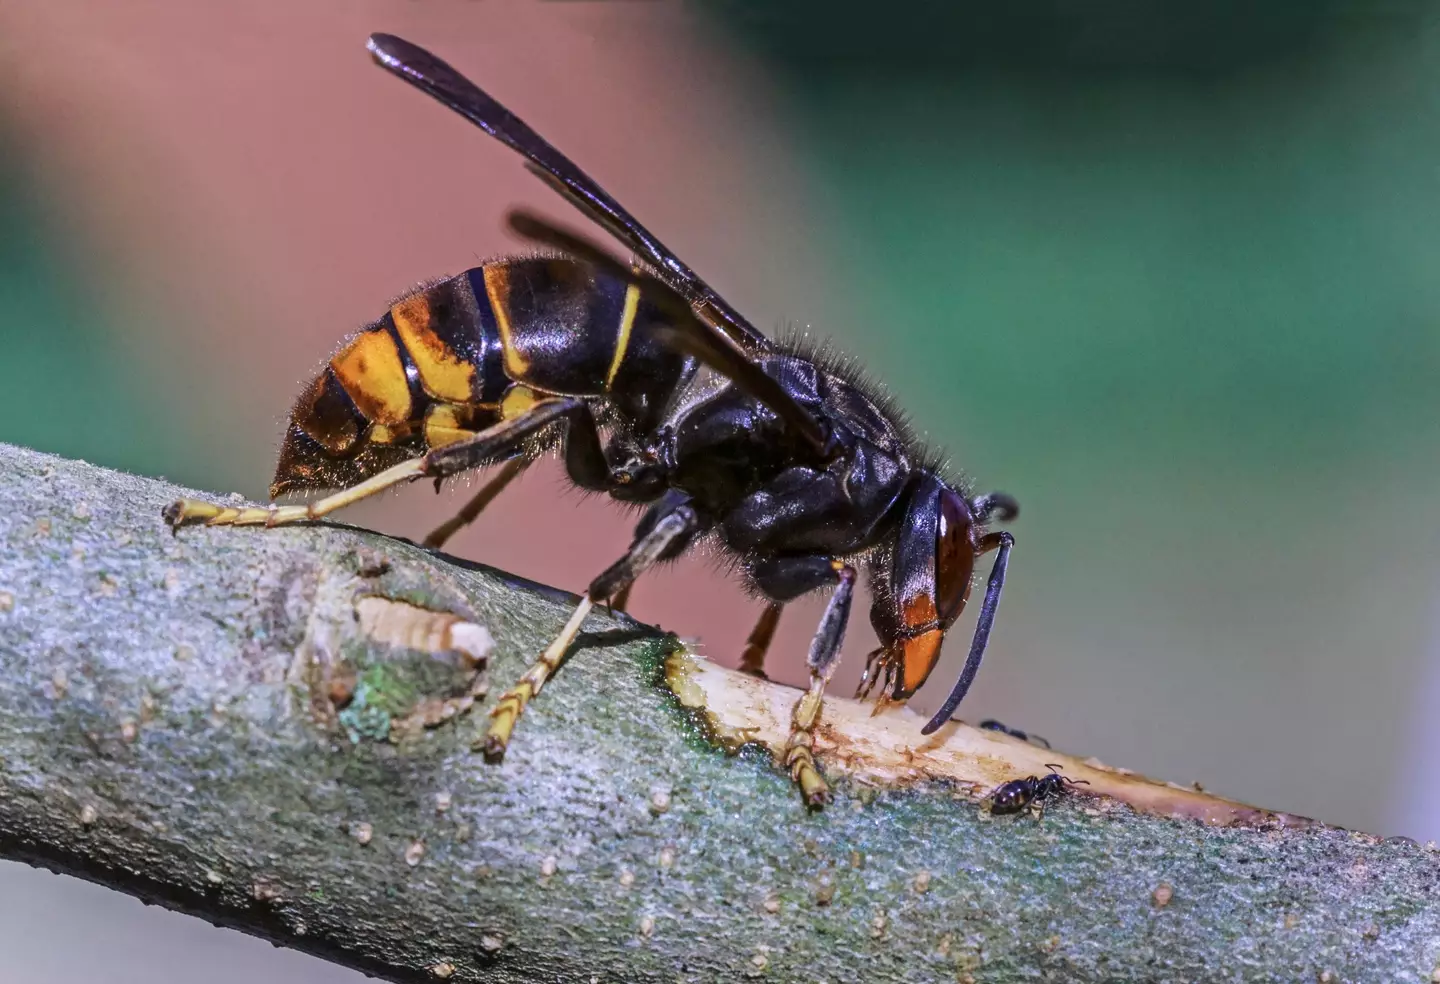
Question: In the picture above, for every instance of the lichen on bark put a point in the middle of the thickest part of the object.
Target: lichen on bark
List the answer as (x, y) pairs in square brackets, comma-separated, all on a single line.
[(171, 724)]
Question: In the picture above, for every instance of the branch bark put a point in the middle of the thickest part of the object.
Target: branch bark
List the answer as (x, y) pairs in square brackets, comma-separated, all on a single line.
[(271, 729)]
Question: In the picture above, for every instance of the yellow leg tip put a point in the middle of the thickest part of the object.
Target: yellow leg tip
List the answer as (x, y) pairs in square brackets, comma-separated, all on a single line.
[(492, 747), (814, 790), (497, 737), (502, 723), (507, 711), (183, 511)]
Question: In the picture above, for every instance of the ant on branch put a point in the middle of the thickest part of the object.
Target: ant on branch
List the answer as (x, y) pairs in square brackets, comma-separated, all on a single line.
[(1020, 794)]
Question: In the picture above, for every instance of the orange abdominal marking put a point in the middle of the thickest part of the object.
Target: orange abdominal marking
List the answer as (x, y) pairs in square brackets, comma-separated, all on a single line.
[(371, 371), (444, 375)]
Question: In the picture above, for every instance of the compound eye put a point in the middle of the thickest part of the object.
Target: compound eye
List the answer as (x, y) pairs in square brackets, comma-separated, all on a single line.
[(954, 556)]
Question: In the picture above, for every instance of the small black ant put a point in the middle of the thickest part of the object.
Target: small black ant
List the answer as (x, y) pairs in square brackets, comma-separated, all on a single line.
[(990, 724), (1018, 794)]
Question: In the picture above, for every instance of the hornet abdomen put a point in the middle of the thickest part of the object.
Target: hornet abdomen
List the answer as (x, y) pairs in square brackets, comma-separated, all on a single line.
[(467, 352)]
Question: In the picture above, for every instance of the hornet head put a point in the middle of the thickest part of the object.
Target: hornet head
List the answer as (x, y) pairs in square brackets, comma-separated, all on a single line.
[(922, 585)]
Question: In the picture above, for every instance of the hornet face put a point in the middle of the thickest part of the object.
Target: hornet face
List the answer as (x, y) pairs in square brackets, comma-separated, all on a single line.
[(924, 583)]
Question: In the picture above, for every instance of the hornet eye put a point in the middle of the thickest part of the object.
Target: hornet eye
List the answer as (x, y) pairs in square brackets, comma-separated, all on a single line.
[(954, 556)]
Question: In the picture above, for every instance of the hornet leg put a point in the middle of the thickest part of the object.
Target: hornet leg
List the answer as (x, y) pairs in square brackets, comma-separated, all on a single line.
[(449, 459), (621, 600), (823, 658), (507, 474), (598, 478), (752, 657), (785, 578), (665, 538), (583, 457)]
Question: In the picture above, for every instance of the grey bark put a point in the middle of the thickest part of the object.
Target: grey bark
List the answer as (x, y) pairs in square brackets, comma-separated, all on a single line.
[(203, 720)]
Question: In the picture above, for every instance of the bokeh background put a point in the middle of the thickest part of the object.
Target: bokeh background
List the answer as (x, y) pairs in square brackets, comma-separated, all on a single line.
[(1169, 277)]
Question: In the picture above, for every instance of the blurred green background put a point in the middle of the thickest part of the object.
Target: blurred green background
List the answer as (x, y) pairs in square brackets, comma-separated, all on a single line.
[(1168, 274), (65, 385)]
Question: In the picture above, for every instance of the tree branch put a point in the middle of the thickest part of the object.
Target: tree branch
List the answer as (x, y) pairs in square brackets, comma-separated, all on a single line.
[(271, 729)]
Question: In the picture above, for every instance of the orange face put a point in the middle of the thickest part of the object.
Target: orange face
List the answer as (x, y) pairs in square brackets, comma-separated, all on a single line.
[(930, 578)]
